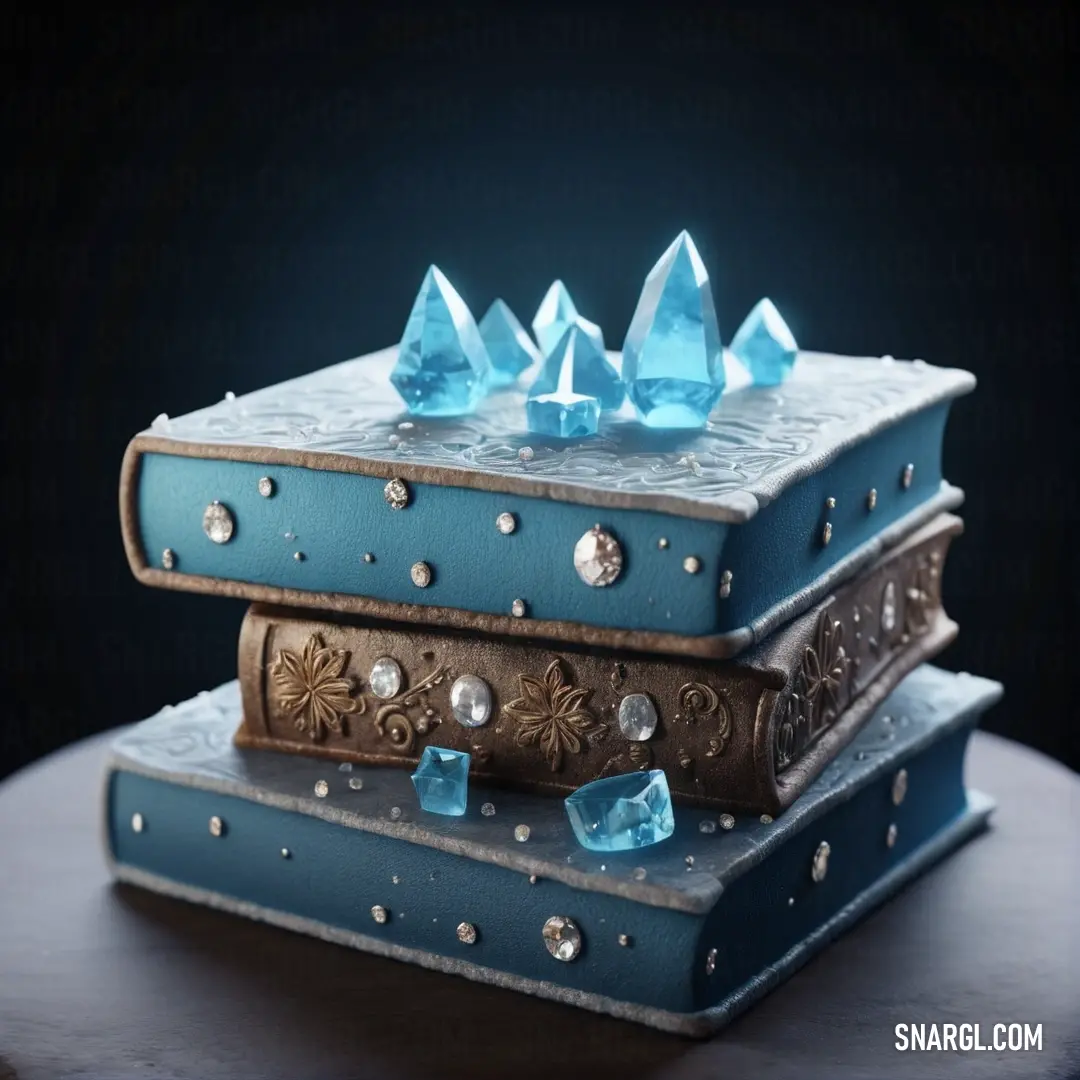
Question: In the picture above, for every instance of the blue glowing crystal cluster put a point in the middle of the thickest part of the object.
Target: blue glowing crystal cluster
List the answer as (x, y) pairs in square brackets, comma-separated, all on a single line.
[(671, 368), (622, 813)]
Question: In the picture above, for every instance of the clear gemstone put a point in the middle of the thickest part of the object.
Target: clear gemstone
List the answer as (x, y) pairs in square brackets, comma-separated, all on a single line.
[(266, 487), (526, 453), (707, 826), (598, 557), (396, 494), (217, 523), (443, 366), (379, 913), (764, 345), (470, 700), (766, 819), (168, 558), (355, 783), (888, 608), (624, 940), (556, 314), (385, 678), (576, 364), (562, 938), (692, 564), (517, 609), (369, 557), (672, 359), (820, 866), (488, 809), (637, 717), (442, 781), (299, 556), (286, 853), (466, 933), (727, 821), (420, 574), (521, 833), (621, 813), (509, 346), (322, 788), (506, 523)]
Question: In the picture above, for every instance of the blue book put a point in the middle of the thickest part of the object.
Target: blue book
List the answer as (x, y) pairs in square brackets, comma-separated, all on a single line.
[(322, 493), (681, 936)]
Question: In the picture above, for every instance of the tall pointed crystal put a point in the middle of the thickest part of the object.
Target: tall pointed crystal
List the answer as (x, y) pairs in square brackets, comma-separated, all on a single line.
[(764, 345), (673, 363), (591, 372), (556, 314), (560, 411), (508, 344), (443, 366)]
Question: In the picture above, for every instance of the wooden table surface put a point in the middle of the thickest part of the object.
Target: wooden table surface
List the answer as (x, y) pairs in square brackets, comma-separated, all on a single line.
[(100, 981)]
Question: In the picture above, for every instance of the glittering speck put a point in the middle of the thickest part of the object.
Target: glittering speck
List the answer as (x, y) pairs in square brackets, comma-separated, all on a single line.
[(526, 453), (217, 826), (830, 503), (488, 809), (322, 788), (229, 395), (598, 558), (692, 564), (138, 822), (624, 940), (299, 556), (506, 523), (168, 559), (826, 534), (517, 609), (888, 607), (710, 961), (421, 575), (871, 499), (533, 879), (562, 937), (379, 913), (727, 821), (466, 933), (218, 522), (640, 873), (707, 826), (395, 813), (521, 833), (662, 543), (689, 862), (266, 487), (286, 853), (396, 494), (356, 784), (890, 836), (637, 717), (394, 440), (345, 766), (368, 557), (289, 534), (907, 476), (899, 787), (395, 880), (470, 701), (791, 901), (385, 678), (820, 866), (766, 819)]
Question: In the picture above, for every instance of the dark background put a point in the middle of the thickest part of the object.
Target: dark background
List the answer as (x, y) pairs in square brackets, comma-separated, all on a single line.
[(198, 204)]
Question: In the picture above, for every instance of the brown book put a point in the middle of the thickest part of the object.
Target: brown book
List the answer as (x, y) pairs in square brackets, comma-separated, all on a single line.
[(746, 735)]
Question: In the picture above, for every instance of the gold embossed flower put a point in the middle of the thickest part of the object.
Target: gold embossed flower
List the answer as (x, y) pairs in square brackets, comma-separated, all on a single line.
[(551, 712), (311, 687)]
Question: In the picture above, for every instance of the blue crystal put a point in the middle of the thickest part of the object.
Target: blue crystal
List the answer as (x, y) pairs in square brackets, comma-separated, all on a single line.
[(443, 366), (442, 781), (554, 407), (556, 314), (620, 813), (591, 372), (764, 345), (672, 360), (509, 346)]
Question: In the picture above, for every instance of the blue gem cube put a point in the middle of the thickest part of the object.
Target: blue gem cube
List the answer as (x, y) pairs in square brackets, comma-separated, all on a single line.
[(590, 371), (672, 360), (764, 345), (442, 781), (508, 344), (563, 415), (556, 314), (622, 813), (443, 368)]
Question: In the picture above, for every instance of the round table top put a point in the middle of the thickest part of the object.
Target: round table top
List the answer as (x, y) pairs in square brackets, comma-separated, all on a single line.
[(104, 980)]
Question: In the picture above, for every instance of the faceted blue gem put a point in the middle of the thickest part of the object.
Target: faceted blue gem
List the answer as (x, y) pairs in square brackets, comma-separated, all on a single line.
[(443, 366), (554, 407), (442, 781), (556, 314), (509, 346), (672, 360), (621, 813), (764, 345), (591, 372)]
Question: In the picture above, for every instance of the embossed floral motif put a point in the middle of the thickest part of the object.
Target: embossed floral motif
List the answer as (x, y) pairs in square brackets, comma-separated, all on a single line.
[(697, 701), (551, 712), (785, 732), (392, 717), (824, 669), (312, 689), (920, 598)]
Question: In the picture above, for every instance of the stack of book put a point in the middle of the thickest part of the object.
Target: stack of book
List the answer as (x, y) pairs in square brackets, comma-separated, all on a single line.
[(636, 721)]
